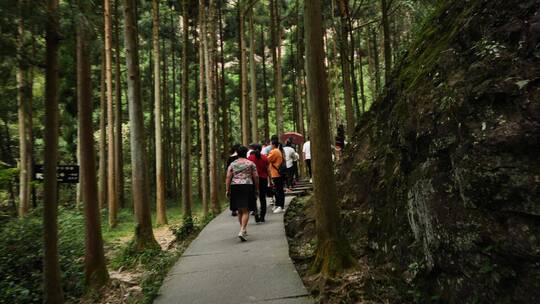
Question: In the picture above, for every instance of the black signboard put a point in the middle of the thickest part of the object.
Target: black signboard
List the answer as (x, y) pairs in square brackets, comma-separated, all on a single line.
[(68, 174)]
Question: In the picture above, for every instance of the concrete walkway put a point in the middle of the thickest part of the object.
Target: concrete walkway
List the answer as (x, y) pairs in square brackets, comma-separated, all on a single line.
[(218, 268)]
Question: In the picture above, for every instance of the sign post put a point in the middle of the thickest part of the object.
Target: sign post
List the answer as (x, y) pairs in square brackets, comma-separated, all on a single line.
[(66, 174)]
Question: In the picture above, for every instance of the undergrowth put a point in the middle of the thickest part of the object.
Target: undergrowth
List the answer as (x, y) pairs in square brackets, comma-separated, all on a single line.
[(156, 263)]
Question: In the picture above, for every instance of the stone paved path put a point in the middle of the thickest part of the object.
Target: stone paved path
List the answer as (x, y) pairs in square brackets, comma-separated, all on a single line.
[(218, 268)]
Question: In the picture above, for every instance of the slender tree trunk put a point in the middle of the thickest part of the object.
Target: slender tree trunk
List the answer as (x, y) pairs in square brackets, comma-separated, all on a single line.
[(203, 180), (186, 117), (95, 269), (51, 266), (165, 121), (276, 60), (111, 179), (299, 77), (102, 137), (211, 95), (144, 236), (23, 111), (265, 92), (225, 102), (243, 76), (352, 62), (173, 131), (345, 67), (385, 8), (118, 147), (160, 178), (332, 250), (253, 78)]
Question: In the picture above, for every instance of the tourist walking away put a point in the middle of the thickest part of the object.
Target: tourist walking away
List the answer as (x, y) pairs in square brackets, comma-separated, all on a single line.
[(275, 157), (261, 162), (306, 150), (290, 157), (242, 188)]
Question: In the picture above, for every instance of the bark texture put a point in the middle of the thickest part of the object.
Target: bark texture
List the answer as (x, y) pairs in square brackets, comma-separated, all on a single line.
[(203, 174), (161, 209), (186, 117), (95, 269), (332, 254), (144, 236), (253, 79), (51, 266), (111, 179)]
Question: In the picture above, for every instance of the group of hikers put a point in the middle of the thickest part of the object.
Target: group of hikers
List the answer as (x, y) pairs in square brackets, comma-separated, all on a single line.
[(261, 171)]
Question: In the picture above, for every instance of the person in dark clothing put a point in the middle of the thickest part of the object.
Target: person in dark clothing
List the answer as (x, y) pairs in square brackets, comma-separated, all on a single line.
[(275, 158), (261, 162), (233, 155)]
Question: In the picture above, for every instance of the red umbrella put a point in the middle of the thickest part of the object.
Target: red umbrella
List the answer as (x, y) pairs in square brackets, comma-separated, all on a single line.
[(297, 138)]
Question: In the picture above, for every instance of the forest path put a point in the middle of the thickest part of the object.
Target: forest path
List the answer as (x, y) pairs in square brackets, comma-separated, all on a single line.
[(218, 268)]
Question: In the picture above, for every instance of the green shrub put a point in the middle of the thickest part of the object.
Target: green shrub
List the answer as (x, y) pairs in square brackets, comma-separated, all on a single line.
[(21, 253)]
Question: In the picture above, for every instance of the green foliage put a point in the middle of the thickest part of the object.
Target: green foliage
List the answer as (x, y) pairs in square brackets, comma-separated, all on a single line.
[(156, 271), (184, 230), (21, 251)]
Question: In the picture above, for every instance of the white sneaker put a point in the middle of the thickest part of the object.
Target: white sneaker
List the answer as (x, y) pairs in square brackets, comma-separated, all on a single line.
[(274, 208), (278, 210), (242, 236), (311, 180)]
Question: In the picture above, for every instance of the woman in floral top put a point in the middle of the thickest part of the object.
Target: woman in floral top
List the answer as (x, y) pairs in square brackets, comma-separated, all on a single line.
[(242, 188)]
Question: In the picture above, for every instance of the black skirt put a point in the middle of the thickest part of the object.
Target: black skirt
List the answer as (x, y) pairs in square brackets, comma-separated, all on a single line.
[(243, 196)]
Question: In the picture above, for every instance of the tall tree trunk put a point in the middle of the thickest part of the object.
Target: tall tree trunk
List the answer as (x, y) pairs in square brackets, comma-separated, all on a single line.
[(385, 8), (332, 250), (211, 95), (111, 179), (253, 79), (186, 117), (265, 92), (102, 137), (203, 180), (144, 236), (173, 131), (160, 178), (243, 76), (345, 67), (299, 79), (95, 269), (352, 62), (225, 101), (51, 266), (165, 121), (23, 111), (118, 148), (276, 61)]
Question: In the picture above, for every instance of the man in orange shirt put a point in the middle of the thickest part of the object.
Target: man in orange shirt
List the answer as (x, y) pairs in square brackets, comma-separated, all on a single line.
[(275, 158)]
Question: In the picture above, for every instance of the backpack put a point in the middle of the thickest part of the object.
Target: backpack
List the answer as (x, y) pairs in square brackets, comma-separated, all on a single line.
[(282, 170)]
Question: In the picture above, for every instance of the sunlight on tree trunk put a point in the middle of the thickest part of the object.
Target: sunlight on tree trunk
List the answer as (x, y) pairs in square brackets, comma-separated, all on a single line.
[(160, 177), (186, 118), (111, 180)]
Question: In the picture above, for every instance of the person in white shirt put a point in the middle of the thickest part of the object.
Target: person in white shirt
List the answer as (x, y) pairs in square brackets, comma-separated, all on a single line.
[(306, 149), (290, 157)]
